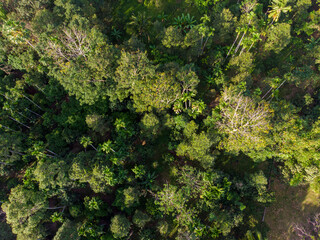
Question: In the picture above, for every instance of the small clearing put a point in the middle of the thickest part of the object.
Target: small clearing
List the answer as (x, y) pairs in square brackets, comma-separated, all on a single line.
[(292, 205)]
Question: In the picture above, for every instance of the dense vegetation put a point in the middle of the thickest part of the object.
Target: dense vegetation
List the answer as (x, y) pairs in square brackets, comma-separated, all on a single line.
[(155, 119)]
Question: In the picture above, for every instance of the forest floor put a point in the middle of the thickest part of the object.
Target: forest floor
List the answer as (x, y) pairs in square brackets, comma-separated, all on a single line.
[(292, 205)]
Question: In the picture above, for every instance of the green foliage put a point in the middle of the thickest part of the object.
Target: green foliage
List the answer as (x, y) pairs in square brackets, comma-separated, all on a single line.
[(127, 198), (197, 148), (184, 22), (26, 211), (90, 230), (140, 219), (57, 217), (225, 22), (163, 228), (120, 226), (75, 211), (173, 37), (88, 83), (68, 230), (97, 123), (150, 123), (136, 75), (5, 232), (95, 207), (175, 113), (10, 151), (139, 171), (278, 37), (51, 174), (98, 176), (278, 6), (241, 66)]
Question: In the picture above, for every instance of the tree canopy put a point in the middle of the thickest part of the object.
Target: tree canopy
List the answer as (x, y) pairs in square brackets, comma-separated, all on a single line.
[(155, 119)]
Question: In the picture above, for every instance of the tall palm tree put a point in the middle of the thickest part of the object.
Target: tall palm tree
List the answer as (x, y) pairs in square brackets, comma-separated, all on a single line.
[(140, 23), (278, 6)]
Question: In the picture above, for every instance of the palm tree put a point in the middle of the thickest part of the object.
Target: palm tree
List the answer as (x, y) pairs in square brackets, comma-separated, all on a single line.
[(86, 141), (162, 17), (140, 23), (312, 43), (107, 147), (184, 22), (116, 34), (278, 6)]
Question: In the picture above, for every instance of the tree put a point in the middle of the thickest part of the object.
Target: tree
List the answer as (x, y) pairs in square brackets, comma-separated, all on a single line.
[(68, 230), (11, 151), (6, 232), (127, 198), (172, 37), (205, 31), (84, 169), (163, 228), (137, 76), (26, 211), (86, 141), (225, 25), (25, 9), (95, 207), (189, 82), (297, 146), (244, 122), (132, 69), (98, 123), (150, 124), (140, 219), (278, 6), (52, 174), (139, 24), (90, 230), (107, 147), (278, 37), (197, 148), (159, 94), (83, 62), (240, 68), (120, 226), (170, 199), (309, 230), (200, 194)]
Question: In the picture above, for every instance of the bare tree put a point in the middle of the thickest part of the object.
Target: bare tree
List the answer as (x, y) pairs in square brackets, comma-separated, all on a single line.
[(310, 230), (243, 120), (71, 44)]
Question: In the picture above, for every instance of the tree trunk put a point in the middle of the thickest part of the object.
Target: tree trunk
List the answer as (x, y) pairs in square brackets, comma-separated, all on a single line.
[(94, 147), (53, 208), (238, 46), (232, 45), (21, 154), (266, 93), (242, 50), (23, 115), (200, 50), (19, 122), (32, 102), (33, 112), (8, 128), (204, 45), (251, 46), (51, 152)]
